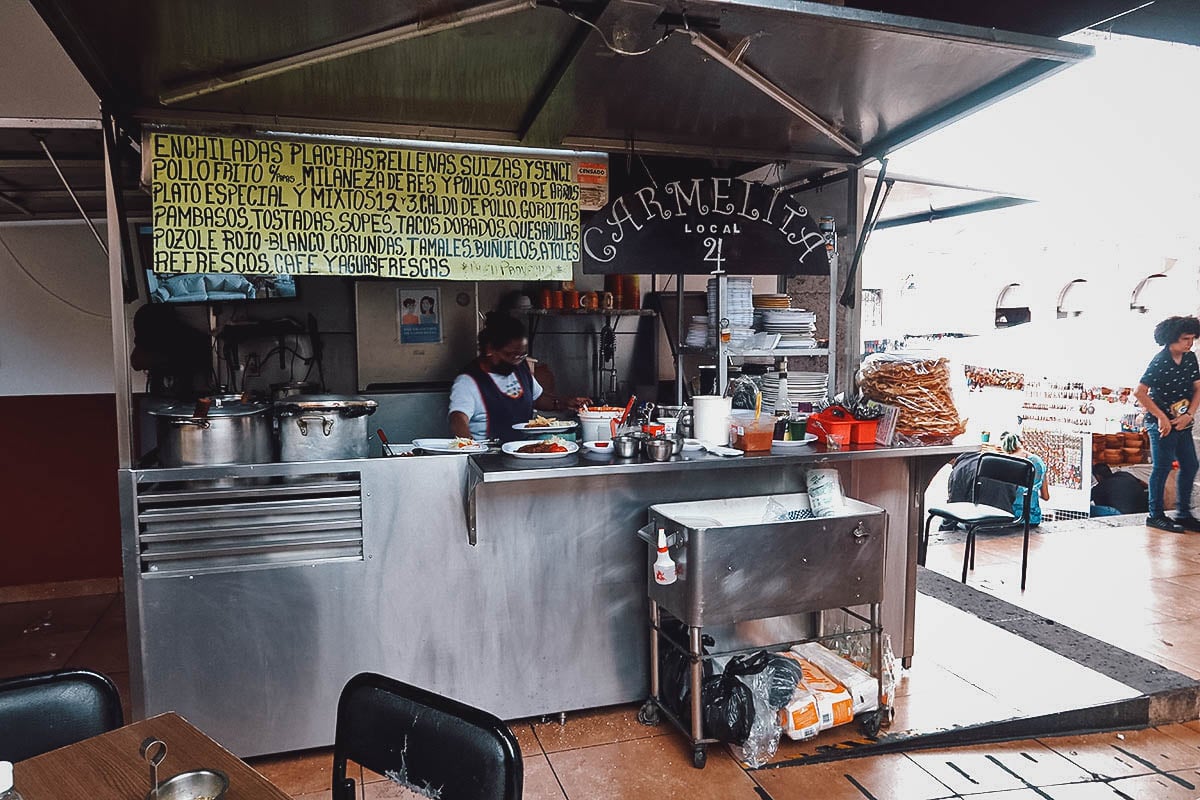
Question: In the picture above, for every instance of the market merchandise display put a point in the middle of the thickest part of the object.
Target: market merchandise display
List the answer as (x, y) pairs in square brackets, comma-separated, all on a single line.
[(920, 388), (1062, 452), (983, 377)]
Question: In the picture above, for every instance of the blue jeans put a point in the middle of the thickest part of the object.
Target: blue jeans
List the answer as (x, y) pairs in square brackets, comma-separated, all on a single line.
[(1175, 446)]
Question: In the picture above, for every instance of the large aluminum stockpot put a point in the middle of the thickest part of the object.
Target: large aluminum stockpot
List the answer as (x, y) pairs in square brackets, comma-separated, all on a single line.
[(216, 430), (323, 427)]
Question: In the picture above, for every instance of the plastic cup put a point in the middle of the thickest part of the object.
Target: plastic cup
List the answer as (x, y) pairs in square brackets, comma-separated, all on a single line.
[(835, 441), (797, 429)]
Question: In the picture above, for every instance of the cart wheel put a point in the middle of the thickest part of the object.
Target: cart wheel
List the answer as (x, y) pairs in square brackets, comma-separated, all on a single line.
[(870, 723), (699, 757), (648, 713)]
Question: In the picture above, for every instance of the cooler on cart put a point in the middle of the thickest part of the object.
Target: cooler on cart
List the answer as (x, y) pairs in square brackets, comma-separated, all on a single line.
[(749, 558)]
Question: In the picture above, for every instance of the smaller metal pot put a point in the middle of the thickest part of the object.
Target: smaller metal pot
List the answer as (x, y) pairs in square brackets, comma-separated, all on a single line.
[(625, 446), (659, 449), (676, 444)]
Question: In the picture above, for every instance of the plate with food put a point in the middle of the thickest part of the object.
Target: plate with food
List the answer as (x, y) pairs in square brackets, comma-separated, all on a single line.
[(809, 438), (456, 445), (540, 424), (544, 448)]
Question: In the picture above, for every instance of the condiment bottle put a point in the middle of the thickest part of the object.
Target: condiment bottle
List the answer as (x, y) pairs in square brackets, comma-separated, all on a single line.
[(664, 567), (7, 792)]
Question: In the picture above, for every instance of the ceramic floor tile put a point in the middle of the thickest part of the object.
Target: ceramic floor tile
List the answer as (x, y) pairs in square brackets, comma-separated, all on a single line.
[(299, 773), (540, 781), (1093, 790), (1183, 785), (889, 777), (659, 767), (1126, 753), (598, 726), (526, 738), (998, 767), (954, 704)]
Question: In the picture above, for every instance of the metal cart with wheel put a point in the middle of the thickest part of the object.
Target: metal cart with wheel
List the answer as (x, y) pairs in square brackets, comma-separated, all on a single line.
[(732, 567)]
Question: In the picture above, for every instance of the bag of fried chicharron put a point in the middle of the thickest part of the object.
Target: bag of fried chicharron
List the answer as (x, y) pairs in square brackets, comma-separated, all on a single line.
[(920, 387)]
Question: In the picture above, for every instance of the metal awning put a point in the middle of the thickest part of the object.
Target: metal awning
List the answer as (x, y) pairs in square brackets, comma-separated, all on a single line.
[(920, 200), (760, 80)]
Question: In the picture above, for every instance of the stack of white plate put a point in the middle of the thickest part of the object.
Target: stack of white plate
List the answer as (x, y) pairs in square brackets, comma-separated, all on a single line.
[(803, 387), (794, 326), (739, 305), (697, 332)]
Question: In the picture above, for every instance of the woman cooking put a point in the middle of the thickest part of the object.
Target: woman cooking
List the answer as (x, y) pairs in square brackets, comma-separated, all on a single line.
[(498, 390)]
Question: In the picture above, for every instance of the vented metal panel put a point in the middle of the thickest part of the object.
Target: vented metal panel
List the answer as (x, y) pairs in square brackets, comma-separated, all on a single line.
[(196, 527)]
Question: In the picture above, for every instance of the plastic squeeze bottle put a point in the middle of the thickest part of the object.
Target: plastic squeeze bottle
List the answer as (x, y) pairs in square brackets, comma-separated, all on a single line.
[(7, 792), (664, 567)]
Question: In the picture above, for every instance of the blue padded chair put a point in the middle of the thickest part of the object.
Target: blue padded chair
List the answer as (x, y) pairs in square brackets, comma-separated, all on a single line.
[(975, 516), (40, 713), (435, 745)]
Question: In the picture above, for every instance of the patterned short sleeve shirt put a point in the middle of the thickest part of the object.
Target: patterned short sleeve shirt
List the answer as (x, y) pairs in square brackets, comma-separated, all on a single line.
[(1169, 382)]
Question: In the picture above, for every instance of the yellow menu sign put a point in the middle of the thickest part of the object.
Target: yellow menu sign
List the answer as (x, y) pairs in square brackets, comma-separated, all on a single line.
[(225, 204)]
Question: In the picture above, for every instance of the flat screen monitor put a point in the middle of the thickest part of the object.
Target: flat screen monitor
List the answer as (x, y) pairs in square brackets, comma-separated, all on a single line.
[(209, 287)]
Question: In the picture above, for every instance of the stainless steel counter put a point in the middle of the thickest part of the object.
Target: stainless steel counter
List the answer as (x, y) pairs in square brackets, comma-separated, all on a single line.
[(254, 592), (500, 468)]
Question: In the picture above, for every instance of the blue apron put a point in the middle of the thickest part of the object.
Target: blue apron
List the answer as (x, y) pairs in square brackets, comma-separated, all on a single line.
[(503, 411)]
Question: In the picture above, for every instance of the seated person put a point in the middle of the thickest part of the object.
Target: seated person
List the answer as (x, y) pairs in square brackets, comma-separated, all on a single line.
[(1010, 443), (1117, 493)]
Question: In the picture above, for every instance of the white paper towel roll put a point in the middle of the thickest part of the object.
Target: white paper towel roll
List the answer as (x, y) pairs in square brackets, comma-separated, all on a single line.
[(711, 416)]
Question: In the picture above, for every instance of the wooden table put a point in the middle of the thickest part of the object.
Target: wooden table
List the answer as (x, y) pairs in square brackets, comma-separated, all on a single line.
[(108, 767)]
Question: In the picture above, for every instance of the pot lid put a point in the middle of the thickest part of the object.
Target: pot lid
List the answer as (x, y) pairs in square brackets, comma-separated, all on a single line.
[(326, 402), (224, 406)]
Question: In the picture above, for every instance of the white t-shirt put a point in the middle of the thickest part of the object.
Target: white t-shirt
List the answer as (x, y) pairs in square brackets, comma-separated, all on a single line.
[(465, 398)]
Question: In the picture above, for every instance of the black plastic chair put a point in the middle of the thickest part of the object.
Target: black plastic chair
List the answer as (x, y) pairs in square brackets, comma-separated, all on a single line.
[(975, 516), (43, 712), (432, 744)]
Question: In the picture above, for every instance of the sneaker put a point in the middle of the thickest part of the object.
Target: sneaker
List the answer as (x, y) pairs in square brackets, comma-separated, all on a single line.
[(1188, 522), (1164, 524)]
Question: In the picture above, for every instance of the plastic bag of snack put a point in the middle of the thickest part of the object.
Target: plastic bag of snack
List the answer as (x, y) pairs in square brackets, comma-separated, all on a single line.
[(920, 387)]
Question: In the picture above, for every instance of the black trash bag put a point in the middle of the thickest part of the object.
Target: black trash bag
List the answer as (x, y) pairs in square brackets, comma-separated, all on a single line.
[(783, 675), (728, 703), (674, 669)]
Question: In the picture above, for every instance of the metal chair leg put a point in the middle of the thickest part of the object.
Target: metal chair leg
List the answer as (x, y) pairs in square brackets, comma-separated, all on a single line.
[(1025, 551), (968, 552), (923, 542)]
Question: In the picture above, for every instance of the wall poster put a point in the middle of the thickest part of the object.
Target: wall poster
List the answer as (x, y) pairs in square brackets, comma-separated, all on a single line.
[(420, 311)]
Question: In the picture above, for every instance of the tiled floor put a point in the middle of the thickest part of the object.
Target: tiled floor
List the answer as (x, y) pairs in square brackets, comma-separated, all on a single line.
[(1127, 585), (1132, 586)]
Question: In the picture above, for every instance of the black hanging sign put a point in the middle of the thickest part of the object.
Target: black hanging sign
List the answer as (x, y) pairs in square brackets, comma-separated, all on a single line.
[(699, 225)]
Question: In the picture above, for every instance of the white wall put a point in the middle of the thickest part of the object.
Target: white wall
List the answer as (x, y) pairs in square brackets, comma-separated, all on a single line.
[(49, 344), (38, 78)]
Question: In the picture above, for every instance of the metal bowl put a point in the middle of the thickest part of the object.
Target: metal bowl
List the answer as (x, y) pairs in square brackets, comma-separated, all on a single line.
[(625, 446), (199, 784), (659, 449)]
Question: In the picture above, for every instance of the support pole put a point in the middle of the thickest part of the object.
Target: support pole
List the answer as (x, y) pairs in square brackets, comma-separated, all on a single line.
[(74, 197)]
